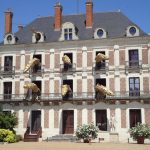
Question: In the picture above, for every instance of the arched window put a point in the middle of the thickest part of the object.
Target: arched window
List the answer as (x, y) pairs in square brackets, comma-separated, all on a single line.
[(132, 31), (100, 33)]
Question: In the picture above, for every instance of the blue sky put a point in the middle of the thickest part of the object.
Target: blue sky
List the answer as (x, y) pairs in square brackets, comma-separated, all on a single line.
[(26, 10)]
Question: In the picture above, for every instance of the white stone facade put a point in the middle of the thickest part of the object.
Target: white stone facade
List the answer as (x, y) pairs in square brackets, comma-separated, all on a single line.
[(84, 109)]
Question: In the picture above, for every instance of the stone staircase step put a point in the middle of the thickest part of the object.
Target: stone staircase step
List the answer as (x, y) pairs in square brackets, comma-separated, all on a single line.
[(62, 137), (31, 138)]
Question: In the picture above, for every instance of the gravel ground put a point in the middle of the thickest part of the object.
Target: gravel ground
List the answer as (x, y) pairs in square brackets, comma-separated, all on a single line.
[(73, 146)]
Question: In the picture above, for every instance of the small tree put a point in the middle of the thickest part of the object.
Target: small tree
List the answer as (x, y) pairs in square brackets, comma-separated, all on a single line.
[(140, 130), (86, 132), (8, 121)]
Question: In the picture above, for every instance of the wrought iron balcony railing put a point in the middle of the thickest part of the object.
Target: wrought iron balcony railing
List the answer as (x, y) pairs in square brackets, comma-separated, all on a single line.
[(36, 70), (133, 66), (101, 67), (12, 97), (65, 68), (136, 95), (7, 70)]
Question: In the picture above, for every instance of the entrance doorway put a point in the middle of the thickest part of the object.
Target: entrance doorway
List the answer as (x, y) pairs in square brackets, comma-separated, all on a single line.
[(68, 122), (101, 119), (135, 117), (35, 121)]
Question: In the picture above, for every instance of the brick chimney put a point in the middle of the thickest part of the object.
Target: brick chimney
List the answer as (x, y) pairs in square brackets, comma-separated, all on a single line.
[(58, 16), (89, 14), (8, 21)]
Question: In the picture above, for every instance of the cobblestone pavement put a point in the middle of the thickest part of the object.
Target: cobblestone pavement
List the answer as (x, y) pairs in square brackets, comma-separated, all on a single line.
[(73, 146)]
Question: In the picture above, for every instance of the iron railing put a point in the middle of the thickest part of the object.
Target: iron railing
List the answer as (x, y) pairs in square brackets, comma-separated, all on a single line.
[(7, 70), (65, 68), (12, 97), (134, 95), (101, 67), (133, 66), (36, 70)]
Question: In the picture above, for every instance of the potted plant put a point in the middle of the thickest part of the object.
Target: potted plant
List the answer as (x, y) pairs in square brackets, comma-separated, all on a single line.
[(87, 132), (140, 132)]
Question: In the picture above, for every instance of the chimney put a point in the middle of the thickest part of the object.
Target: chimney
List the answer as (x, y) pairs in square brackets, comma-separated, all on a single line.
[(20, 27), (89, 14), (8, 21), (58, 16)]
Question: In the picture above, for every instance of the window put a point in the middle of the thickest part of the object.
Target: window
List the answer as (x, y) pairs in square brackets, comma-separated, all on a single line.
[(134, 86), (133, 58), (37, 37), (100, 64), (132, 30), (69, 93), (101, 82), (101, 119), (37, 67), (34, 93), (68, 34), (66, 65), (8, 63), (9, 38), (7, 112), (100, 33), (135, 117), (7, 90)]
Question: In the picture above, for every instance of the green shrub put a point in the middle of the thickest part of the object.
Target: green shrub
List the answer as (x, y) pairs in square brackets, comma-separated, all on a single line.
[(18, 138), (140, 130), (8, 121), (7, 136)]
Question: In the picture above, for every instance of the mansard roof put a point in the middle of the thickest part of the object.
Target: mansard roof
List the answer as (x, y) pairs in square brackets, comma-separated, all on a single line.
[(114, 23)]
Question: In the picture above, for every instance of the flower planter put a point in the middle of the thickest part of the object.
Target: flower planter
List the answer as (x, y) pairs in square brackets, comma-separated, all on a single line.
[(86, 140), (140, 140)]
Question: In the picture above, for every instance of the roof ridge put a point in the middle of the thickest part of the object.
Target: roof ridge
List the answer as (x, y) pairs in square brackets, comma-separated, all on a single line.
[(63, 15)]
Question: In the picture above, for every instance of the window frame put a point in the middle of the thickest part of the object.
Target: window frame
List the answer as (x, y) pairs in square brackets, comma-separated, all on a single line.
[(133, 57), (70, 29), (134, 92), (67, 34), (7, 94)]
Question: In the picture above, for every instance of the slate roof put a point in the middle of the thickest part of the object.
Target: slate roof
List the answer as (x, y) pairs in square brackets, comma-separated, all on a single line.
[(115, 23)]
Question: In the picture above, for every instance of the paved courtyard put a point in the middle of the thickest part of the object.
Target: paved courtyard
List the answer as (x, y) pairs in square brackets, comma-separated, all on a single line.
[(73, 146)]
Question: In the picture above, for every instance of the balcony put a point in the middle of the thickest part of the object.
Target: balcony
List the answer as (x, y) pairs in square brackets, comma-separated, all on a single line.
[(7, 71), (133, 66), (67, 69), (100, 68), (11, 97), (37, 70), (130, 95), (85, 96)]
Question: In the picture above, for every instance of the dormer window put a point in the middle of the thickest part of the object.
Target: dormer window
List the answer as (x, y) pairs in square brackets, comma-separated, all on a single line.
[(10, 39), (38, 37), (69, 32), (132, 31), (100, 33)]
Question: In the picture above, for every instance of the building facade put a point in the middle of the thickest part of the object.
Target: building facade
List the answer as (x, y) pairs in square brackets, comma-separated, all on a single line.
[(81, 38)]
